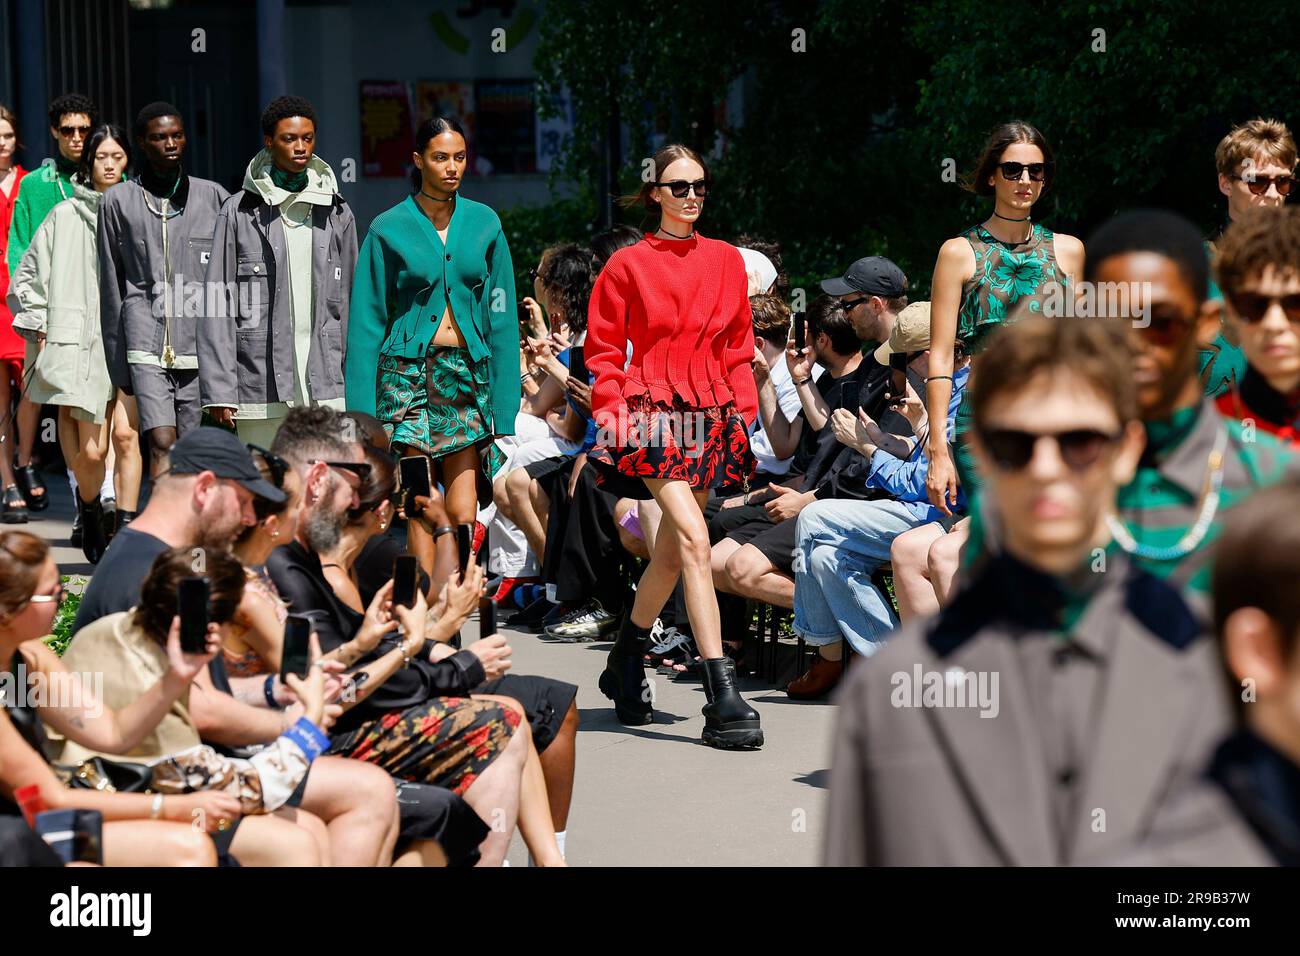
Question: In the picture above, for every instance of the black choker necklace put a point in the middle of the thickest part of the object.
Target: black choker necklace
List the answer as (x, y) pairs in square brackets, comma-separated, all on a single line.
[(1000, 216), (674, 235), (435, 198)]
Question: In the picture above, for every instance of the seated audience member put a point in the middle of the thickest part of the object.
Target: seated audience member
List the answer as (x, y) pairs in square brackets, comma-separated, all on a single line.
[(136, 650), (841, 543), (138, 831), (1257, 616), (1258, 269), (753, 556), (203, 501), (1109, 696), (433, 690)]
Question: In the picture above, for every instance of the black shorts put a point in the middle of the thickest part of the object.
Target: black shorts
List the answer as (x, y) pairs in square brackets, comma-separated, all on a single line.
[(776, 541), (547, 466), (545, 701), (433, 813)]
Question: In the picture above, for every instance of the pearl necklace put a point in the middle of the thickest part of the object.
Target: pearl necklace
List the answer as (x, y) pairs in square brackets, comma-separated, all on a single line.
[(1199, 529)]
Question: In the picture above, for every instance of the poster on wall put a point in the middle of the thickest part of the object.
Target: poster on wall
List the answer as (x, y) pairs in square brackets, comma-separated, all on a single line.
[(387, 133), (455, 100), (507, 125)]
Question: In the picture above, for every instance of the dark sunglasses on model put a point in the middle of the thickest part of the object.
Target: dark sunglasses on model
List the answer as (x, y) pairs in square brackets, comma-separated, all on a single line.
[(1259, 184), (681, 187), (1251, 307), (1011, 171), (70, 131), (1079, 448)]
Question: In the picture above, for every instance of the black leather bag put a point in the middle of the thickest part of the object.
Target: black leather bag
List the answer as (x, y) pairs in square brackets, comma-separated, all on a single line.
[(111, 776)]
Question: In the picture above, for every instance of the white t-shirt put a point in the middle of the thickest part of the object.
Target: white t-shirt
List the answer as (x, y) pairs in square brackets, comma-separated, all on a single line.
[(787, 399)]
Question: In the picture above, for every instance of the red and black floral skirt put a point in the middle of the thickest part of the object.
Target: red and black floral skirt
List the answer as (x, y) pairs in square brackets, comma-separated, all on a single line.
[(704, 447)]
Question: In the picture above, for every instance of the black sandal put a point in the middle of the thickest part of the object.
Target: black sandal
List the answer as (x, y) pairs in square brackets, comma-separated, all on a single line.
[(15, 508), (32, 487)]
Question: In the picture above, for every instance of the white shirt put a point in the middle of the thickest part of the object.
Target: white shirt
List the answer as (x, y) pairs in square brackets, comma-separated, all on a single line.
[(787, 399)]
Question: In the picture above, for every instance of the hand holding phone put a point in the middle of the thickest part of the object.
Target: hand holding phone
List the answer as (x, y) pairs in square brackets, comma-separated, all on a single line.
[(295, 656), (415, 479), (800, 331), (487, 617)]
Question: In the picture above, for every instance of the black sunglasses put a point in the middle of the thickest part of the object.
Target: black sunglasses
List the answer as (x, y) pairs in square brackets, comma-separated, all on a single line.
[(1259, 184), (276, 465), (1079, 448), (70, 131), (359, 468), (681, 187), (1011, 171), (1251, 307)]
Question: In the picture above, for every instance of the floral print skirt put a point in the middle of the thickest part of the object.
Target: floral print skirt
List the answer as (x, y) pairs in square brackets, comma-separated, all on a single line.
[(439, 404), (705, 447), (446, 741)]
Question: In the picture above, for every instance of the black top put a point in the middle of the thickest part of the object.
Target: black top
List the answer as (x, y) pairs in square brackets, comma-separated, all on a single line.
[(25, 720), (115, 585), (301, 582), (836, 470), (1264, 785)]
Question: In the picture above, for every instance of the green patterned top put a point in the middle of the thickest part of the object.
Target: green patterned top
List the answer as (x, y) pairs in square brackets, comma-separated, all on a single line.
[(1005, 279)]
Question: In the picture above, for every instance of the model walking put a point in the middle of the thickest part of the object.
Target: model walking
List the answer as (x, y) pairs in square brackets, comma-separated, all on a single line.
[(674, 423)]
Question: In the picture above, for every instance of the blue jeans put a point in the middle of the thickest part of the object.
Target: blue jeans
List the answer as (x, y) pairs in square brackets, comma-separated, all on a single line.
[(838, 546)]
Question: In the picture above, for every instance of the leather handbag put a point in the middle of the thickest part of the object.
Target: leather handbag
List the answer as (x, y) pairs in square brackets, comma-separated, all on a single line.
[(111, 776)]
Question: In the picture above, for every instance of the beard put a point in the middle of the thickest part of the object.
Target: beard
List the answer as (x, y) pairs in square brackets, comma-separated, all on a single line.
[(324, 526)]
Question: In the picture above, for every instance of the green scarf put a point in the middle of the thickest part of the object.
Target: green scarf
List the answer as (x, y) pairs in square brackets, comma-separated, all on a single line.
[(289, 182)]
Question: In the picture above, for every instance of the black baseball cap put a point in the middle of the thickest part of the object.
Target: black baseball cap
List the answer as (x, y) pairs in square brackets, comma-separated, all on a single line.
[(874, 275), (216, 450)]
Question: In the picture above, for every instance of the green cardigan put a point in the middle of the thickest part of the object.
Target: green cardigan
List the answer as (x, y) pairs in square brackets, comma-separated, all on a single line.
[(404, 280), (39, 192)]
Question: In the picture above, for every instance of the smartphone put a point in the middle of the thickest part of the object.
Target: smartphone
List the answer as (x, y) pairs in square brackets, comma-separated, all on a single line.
[(484, 549), (897, 377), (487, 617), (525, 317), (800, 332), (192, 608), (296, 655), (578, 365), (464, 545), (415, 480), (406, 578)]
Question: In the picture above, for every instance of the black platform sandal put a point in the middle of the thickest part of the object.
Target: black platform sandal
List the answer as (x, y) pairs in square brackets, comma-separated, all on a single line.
[(15, 508), (32, 487)]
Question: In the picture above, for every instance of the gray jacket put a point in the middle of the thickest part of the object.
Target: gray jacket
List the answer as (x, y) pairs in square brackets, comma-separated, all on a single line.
[(989, 784), (136, 316), (246, 353)]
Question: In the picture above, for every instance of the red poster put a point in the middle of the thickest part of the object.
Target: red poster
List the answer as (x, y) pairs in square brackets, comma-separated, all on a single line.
[(387, 133)]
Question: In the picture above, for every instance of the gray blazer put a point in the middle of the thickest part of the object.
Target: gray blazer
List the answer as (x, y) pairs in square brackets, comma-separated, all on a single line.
[(944, 786), (248, 358), (132, 269)]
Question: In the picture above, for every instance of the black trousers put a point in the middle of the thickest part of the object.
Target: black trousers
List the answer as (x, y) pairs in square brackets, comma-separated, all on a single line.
[(583, 551)]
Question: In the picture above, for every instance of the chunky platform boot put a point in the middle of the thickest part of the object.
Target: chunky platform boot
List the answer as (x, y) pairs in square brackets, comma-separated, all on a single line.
[(729, 722), (623, 680), (93, 544)]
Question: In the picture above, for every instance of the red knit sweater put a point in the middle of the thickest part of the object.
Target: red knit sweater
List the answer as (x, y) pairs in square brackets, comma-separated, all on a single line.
[(684, 306)]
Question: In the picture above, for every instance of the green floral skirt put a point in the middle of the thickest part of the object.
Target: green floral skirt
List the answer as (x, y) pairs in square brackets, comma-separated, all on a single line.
[(439, 404)]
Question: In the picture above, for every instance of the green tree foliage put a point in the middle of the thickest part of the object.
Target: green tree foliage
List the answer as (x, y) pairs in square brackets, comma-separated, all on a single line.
[(842, 149)]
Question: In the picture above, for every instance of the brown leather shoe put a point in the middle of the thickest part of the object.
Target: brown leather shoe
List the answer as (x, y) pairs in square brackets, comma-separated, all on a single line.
[(820, 679)]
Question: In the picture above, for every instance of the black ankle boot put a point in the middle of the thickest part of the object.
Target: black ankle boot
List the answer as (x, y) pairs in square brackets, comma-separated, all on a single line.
[(92, 529), (728, 721), (623, 680)]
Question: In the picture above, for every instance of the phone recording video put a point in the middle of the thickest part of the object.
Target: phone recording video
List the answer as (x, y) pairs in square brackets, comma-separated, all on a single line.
[(296, 656), (406, 578), (192, 609), (487, 617), (800, 331), (897, 377), (464, 545), (415, 480)]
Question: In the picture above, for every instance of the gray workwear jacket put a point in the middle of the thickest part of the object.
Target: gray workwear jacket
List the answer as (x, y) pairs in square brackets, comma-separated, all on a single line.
[(246, 353), (140, 252)]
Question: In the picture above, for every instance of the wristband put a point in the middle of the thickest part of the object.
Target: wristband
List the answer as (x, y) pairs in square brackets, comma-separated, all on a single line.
[(309, 738), (268, 689), (936, 378), (442, 529), (801, 381)]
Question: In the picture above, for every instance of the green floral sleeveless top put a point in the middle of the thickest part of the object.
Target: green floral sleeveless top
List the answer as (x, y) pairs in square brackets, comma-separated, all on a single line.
[(1004, 279)]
